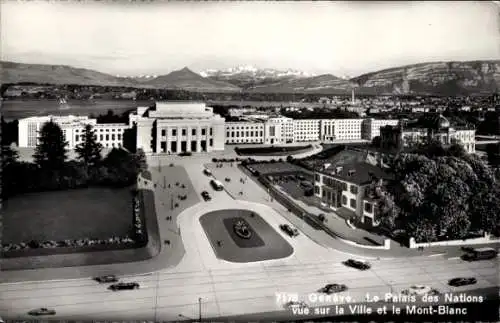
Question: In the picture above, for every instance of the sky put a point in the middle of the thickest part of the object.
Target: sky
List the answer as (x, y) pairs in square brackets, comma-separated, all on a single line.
[(157, 37)]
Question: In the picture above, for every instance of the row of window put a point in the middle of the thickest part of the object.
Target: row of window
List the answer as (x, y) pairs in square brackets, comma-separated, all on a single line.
[(244, 134), (101, 137), (101, 130), (244, 127), (248, 141), (336, 184), (352, 202), (184, 132)]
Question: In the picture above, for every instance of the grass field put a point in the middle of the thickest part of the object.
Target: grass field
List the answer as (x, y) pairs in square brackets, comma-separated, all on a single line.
[(84, 213)]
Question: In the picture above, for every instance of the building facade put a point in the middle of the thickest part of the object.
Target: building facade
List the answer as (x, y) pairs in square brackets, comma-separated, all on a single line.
[(178, 127), (340, 129), (348, 186), (430, 126), (305, 130), (371, 127), (244, 132), (73, 128)]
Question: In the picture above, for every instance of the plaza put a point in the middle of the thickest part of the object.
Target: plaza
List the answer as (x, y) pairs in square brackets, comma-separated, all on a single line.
[(187, 279)]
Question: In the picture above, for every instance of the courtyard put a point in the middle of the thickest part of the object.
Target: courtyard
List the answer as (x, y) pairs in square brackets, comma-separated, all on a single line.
[(74, 214), (264, 244)]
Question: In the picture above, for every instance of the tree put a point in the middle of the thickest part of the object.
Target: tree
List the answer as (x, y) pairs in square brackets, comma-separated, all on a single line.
[(422, 230), (140, 160), (493, 152), (376, 141), (50, 153), (89, 150), (9, 156)]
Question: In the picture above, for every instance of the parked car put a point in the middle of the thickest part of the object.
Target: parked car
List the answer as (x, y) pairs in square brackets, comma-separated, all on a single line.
[(292, 232), (106, 279), (206, 196), (227, 179), (123, 286), (207, 172), (296, 304), (462, 281), (42, 311), (358, 264), (333, 288)]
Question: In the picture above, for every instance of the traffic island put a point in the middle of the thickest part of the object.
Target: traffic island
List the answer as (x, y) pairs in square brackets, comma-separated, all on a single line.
[(242, 236)]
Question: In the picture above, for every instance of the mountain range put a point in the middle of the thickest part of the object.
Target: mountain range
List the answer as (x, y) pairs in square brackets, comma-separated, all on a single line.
[(438, 78)]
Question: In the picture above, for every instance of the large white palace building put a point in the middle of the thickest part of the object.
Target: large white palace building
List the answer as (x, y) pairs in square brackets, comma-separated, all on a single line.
[(108, 134), (176, 127)]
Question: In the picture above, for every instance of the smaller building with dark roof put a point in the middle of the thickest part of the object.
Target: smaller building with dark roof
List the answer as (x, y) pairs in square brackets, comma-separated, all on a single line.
[(348, 185)]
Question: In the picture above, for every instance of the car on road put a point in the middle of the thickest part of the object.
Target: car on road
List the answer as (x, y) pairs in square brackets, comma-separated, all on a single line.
[(296, 304), (480, 254), (462, 281), (206, 196), (123, 286), (227, 179), (42, 311), (216, 185), (358, 264), (207, 172), (185, 154), (292, 232), (333, 288), (106, 279)]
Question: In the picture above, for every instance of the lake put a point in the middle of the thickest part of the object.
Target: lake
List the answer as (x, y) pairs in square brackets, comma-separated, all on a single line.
[(18, 109)]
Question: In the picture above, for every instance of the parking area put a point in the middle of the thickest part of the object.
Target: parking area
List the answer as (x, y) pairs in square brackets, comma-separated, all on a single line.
[(265, 243)]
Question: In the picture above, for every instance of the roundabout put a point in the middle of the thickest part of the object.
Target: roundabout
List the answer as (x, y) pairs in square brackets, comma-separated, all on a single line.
[(242, 236)]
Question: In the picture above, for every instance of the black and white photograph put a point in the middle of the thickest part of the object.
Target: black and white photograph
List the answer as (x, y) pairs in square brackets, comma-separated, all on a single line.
[(249, 161)]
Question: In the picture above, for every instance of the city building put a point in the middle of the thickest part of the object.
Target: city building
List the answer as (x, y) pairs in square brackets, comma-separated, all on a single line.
[(371, 127), (430, 126), (340, 129), (244, 132), (73, 127), (347, 185), (278, 130), (306, 130), (176, 127)]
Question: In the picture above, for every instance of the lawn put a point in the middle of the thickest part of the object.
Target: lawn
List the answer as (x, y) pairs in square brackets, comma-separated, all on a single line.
[(272, 151), (75, 214)]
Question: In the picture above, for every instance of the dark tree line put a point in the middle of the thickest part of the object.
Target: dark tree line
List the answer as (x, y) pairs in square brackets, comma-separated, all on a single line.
[(51, 169), (320, 114), (440, 193)]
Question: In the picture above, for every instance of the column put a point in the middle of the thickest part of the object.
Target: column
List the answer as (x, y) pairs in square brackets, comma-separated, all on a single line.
[(159, 139), (179, 134), (198, 139)]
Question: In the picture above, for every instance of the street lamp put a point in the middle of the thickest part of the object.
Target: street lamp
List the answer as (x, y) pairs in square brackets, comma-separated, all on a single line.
[(199, 308)]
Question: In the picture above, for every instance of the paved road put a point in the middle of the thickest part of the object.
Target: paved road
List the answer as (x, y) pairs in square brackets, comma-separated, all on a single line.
[(229, 289), (234, 290)]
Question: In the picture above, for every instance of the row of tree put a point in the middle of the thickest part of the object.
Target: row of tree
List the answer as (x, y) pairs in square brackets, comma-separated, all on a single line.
[(51, 169), (438, 193)]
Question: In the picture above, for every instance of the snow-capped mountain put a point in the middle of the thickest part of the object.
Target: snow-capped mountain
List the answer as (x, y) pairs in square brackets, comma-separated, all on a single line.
[(254, 71), (248, 76)]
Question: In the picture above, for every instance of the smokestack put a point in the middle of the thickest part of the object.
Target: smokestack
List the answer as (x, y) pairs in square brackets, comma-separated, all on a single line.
[(352, 97)]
